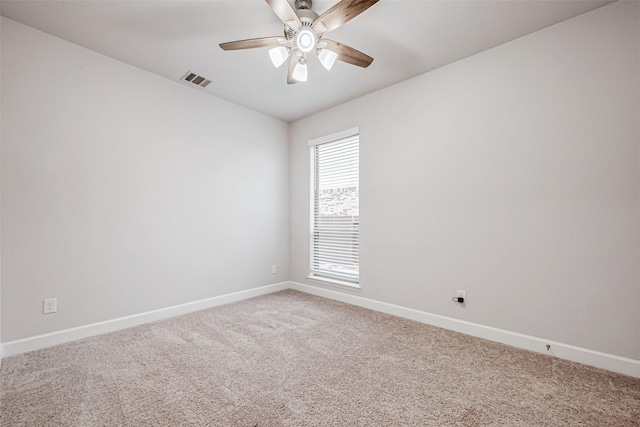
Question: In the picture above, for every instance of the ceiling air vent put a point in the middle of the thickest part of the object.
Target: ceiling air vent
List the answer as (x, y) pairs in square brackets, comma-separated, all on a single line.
[(195, 79)]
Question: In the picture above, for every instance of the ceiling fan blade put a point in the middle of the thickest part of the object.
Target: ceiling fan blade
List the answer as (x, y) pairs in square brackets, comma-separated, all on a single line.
[(253, 43), (349, 54), (292, 64), (285, 12), (341, 12)]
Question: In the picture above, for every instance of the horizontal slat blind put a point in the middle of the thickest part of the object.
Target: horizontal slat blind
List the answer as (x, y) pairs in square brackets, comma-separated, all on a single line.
[(335, 224)]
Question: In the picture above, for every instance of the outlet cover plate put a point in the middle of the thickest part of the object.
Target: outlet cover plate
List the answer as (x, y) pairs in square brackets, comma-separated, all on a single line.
[(50, 305)]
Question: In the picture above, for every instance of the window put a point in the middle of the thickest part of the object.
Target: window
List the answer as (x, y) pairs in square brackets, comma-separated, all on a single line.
[(335, 220)]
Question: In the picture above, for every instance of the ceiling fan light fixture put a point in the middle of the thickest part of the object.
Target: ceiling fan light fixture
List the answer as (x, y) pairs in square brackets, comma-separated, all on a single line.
[(278, 55), (300, 72), (305, 40), (327, 58), (304, 32)]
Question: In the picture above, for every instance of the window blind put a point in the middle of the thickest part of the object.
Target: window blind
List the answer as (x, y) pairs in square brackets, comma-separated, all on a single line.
[(335, 222)]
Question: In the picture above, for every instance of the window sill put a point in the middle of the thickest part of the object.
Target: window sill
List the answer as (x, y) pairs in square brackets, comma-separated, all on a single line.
[(334, 282)]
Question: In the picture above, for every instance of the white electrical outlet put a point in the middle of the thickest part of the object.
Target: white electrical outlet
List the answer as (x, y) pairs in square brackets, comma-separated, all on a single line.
[(50, 305), (462, 294), (273, 269)]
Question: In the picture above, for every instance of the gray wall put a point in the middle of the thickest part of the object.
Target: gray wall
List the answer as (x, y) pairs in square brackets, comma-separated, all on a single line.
[(514, 175), (124, 192)]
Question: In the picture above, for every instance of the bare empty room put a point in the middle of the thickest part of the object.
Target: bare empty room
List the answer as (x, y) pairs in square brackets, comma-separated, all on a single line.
[(181, 240)]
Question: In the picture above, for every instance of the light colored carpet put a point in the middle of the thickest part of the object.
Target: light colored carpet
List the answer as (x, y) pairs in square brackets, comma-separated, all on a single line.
[(291, 359)]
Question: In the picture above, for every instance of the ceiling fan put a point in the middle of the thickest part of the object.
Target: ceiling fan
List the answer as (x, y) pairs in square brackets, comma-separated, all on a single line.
[(304, 34)]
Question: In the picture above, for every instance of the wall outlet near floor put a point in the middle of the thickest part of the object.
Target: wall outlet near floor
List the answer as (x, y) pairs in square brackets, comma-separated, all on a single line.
[(50, 305), (462, 294), (273, 269)]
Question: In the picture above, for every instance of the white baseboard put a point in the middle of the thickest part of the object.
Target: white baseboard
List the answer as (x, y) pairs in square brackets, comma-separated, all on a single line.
[(60, 337), (606, 361)]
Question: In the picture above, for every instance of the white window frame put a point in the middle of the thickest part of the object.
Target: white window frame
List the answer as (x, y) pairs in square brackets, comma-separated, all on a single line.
[(325, 277)]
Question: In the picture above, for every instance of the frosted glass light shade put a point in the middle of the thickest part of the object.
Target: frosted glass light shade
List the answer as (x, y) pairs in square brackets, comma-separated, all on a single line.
[(278, 55), (300, 72), (327, 58)]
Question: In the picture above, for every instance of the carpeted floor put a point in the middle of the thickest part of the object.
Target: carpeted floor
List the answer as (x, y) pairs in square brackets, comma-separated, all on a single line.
[(291, 359)]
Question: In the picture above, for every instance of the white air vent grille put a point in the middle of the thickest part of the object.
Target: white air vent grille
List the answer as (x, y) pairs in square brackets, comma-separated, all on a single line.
[(193, 78)]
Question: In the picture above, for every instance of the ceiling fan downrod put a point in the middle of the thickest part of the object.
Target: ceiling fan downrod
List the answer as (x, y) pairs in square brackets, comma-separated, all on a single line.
[(303, 4)]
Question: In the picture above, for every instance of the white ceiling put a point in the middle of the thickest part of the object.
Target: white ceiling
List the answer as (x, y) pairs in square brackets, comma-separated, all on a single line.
[(406, 38)]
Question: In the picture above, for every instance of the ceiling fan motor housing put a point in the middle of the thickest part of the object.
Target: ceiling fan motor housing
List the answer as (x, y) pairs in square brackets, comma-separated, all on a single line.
[(307, 17)]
